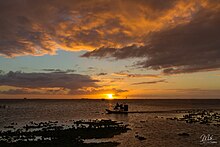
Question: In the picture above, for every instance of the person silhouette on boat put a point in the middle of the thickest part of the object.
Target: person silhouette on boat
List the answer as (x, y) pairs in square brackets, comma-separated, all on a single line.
[(119, 107), (116, 106)]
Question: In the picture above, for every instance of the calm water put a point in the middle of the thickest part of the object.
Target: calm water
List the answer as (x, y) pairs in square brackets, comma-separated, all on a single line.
[(158, 131)]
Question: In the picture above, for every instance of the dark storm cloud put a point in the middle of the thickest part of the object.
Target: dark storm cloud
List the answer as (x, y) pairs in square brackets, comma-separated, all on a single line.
[(91, 68), (122, 53), (150, 82), (102, 74), (46, 80), (38, 27), (18, 91), (185, 48), (130, 75), (59, 70)]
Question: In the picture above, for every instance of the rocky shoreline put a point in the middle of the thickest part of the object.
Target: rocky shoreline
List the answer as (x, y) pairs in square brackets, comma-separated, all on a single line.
[(208, 117), (52, 134)]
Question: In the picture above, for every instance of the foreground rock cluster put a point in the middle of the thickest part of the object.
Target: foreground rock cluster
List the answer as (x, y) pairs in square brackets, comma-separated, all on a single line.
[(52, 134), (200, 116)]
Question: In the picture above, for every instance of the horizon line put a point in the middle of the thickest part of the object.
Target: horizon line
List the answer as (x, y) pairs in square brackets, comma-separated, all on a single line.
[(110, 99)]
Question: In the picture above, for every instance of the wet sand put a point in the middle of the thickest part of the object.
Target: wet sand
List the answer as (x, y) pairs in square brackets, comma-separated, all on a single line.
[(159, 130)]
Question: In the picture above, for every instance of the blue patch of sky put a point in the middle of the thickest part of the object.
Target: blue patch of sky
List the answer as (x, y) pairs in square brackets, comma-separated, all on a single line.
[(64, 60)]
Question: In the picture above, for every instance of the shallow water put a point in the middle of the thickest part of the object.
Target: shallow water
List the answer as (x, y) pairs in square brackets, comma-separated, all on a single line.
[(154, 126)]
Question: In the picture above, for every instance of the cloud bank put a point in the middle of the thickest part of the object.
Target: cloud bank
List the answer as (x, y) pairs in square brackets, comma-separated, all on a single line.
[(189, 47), (31, 27), (151, 82), (131, 75), (98, 91), (176, 36), (55, 82)]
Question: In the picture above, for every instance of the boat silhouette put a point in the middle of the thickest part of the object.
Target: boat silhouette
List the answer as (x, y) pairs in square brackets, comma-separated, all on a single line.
[(118, 109)]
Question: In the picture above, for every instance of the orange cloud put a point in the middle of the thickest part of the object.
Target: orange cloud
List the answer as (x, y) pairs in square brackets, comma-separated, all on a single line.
[(188, 43), (42, 27)]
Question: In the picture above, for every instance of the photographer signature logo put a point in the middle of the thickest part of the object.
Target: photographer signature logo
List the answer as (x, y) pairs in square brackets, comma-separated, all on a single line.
[(207, 139)]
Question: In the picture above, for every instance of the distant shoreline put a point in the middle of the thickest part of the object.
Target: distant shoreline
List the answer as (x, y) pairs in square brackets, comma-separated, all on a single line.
[(103, 99)]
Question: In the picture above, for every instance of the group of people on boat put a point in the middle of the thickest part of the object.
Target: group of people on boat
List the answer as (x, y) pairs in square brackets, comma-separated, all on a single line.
[(118, 109), (121, 107)]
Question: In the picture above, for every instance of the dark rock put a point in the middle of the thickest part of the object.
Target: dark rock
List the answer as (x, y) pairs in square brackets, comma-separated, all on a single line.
[(50, 134), (183, 134), (140, 137)]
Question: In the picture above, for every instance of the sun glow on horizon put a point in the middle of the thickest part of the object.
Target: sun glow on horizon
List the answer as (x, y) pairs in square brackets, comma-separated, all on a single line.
[(110, 96)]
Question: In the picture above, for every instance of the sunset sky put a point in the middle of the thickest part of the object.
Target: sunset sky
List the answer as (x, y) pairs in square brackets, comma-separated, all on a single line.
[(143, 49)]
